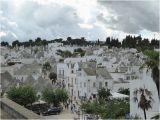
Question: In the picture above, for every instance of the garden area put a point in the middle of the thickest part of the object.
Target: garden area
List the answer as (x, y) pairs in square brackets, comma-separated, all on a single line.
[(105, 107)]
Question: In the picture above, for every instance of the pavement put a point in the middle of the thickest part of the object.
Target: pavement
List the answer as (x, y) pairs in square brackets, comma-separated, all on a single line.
[(65, 114)]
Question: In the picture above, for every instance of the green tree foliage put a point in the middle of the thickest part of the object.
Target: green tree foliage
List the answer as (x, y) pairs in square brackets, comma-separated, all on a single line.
[(16, 43), (115, 43), (112, 42), (78, 41), (56, 40), (49, 96), (155, 43), (128, 42), (79, 51), (105, 107), (124, 91), (116, 109), (90, 107), (52, 76), (3, 43), (139, 43), (104, 94), (55, 97), (46, 66), (108, 41), (112, 109), (64, 54), (62, 95), (22, 95), (38, 41), (44, 42)]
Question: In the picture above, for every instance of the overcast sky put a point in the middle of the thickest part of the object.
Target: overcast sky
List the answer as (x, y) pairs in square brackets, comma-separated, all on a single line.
[(92, 19)]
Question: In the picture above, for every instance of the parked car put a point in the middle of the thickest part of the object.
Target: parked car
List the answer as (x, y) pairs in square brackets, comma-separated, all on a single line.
[(92, 117), (52, 111)]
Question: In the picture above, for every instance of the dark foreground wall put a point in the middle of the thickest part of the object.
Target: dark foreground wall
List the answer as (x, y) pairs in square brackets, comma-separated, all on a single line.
[(17, 111)]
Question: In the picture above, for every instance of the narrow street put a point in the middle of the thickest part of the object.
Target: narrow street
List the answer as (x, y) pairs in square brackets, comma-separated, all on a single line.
[(65, 114)]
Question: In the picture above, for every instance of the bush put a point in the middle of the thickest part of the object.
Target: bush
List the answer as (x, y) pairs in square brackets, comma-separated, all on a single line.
[(124, 91)]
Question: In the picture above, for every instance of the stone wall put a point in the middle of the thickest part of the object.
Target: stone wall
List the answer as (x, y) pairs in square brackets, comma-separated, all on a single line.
[(17, 111)]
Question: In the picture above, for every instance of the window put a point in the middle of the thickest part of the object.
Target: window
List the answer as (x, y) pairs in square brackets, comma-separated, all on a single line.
[(72, 81), (128, 78), (81, 84), (63, 72), (132, 77), (100, 85), (72, 71), (94, 95), (106, 84), (75, 81), (84, 84), (94, 84)]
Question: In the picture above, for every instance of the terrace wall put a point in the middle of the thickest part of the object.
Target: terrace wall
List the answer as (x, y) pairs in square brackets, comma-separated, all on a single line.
[(17, 111)]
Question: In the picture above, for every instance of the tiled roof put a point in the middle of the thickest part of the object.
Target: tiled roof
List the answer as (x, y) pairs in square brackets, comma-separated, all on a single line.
[(28, 69), (41, 84), (103, 72), (29, 80), (7, 80), (89, 71)]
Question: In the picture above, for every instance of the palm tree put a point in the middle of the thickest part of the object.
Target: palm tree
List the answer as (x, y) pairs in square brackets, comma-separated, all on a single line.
[(145, 100), (153, 63)]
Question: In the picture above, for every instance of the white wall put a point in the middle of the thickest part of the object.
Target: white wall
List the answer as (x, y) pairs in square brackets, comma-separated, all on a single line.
[(150, 85)]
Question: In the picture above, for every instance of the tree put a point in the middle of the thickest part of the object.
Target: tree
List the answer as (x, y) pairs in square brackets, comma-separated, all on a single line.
[(61, 94), (153, 63), (53, 76), (69, 39), (108, 41), (15, 43), (113, 109), (49, 96), (44, 43), (90, 107), (144, 102), (4, 43), (55, 97), (98, 42), (38, 41), (80, 51), (46, 66), (22, 95), (124, 91), (104, 94), (65, 53)]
